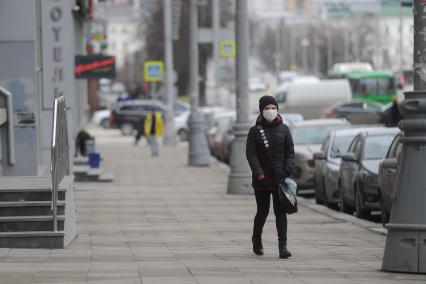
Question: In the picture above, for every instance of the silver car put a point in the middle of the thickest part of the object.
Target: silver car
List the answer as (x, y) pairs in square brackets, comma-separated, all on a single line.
[(327, 164), (308, 136)]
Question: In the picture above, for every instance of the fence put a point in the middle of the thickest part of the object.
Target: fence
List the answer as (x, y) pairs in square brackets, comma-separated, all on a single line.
[(59, 166)]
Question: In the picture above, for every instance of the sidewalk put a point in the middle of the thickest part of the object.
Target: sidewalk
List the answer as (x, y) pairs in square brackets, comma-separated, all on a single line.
[(161, 221)]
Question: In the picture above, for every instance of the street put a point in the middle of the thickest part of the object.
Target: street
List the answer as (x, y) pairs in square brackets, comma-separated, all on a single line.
[(161, 221)]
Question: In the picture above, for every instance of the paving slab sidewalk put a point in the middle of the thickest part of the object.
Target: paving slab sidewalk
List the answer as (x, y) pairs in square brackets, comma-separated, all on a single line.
[(161, 221)]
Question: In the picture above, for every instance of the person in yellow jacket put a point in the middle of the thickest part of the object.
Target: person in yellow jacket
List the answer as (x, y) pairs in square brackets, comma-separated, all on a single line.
[(154, 129)]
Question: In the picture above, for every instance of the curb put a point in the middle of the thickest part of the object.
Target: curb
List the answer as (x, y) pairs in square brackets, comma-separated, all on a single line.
[(310, 204), (371, 226)]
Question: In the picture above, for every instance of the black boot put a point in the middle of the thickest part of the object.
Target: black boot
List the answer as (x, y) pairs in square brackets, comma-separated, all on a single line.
[(257, 245), (284, 253)]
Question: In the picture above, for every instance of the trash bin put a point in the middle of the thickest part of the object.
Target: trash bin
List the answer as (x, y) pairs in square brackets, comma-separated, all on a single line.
[(94, 160), (90, 146)]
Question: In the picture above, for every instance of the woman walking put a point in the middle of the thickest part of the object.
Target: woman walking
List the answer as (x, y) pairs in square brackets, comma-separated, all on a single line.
[(270, 154), (154, 129)]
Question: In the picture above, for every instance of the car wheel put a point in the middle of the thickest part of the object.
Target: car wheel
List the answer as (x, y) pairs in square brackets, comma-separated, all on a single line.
[(105, 123), (344, 207), (360, 210), (385, 216), (327, 201), (318, 199), (183, 135), (127, 129)]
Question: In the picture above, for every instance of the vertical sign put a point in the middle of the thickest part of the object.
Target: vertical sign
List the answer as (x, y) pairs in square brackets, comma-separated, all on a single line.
[(57, 49), (153, 71), (228, 48)]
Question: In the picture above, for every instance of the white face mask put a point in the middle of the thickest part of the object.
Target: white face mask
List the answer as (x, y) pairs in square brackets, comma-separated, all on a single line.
[(270, 114)]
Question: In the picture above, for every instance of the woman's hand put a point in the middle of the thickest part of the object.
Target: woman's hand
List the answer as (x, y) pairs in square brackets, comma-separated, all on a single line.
[(261, 177)]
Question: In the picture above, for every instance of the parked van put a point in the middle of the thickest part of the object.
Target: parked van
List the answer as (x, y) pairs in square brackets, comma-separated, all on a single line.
[(309, 99)]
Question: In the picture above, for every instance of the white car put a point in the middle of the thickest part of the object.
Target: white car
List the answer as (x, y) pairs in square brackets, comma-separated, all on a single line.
[(101, 118), (181, 125)]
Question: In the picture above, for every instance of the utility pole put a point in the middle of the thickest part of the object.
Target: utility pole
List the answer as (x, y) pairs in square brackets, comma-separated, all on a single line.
[(216, 27), (199, 154), (239, 181), (169, 135), (406, 238), (329, 48)]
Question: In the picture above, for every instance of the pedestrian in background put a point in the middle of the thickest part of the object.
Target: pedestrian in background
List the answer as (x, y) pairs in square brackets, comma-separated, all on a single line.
[(395, 114), (270, 154), (140, 130), (154, 129)]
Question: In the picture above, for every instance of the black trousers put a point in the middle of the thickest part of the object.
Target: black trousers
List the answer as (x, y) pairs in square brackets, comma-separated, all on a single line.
[(263, 201)]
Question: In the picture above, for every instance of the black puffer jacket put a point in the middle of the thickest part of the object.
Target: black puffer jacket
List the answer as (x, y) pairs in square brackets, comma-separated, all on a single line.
[(281, 149)]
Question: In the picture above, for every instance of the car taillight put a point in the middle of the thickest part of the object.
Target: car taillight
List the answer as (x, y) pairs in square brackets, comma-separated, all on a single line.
[(329, 112), (112, 118)]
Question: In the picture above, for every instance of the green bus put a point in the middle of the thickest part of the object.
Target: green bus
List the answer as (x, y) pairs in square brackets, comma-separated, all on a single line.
[(378, 86)]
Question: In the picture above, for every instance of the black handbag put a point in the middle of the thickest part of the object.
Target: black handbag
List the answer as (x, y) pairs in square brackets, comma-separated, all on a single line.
[(286, 189)]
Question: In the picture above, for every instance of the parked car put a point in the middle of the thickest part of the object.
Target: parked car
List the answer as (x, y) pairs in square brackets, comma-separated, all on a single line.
[(387, 178), (327, 164), (256, 84), (289, 118), (308, 136), (360, 112), (287, 76), (101, 118), (228, 138), (358, 182), (208, 114), (309, 98), (128, 114), (223, 122), (181, 125)]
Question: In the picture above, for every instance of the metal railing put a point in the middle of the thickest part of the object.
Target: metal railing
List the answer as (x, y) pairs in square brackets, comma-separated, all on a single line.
[(59, 166)]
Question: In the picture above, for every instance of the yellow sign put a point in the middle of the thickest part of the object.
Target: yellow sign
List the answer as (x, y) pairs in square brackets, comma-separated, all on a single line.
[(228, 48), (153, 71)]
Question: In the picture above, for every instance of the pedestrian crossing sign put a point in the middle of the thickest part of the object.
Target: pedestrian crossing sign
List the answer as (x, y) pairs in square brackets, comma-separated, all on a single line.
[(228, 48), (153, 71)]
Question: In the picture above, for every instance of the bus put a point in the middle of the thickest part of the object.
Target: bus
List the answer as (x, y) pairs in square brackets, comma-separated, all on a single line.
[(378, 86)]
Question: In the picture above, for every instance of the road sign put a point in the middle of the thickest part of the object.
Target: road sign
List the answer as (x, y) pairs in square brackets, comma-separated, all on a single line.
[(228, 48), (153, 71)]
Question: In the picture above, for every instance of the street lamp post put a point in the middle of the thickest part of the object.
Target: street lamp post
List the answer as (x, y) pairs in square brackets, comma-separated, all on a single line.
[(169, 135), (198, 150), (405, 249), (239, 181)]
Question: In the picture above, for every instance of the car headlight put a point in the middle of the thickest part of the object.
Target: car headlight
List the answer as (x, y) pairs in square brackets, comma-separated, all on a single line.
[(368, 177)]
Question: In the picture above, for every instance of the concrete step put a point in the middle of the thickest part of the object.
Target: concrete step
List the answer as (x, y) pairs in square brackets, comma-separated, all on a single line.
[(25, 239), (88, 174), (29, 208), (29, 223), (81, 161), (30, 188)]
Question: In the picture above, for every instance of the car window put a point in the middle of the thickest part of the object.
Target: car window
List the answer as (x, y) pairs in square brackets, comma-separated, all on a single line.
[(325, 145), (130, 108), (353, 105), (156, 108), (371, 106), (314, 134), (281, 97), (352, 145), (392, 148), (398, 150), (340, 145), (377, 146), (357, 147)]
